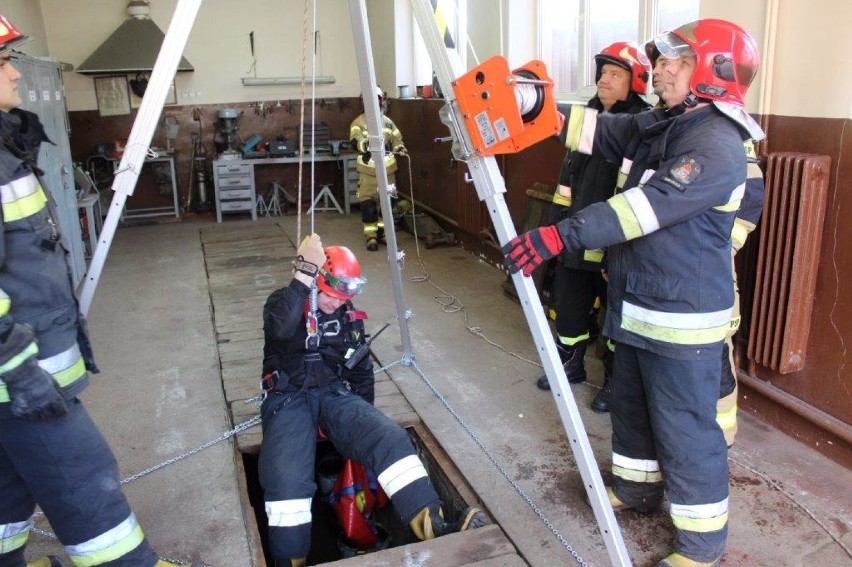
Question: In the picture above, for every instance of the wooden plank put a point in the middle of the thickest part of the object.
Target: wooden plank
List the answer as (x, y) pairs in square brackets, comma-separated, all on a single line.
[(393, 405), (242, 369), (386, 387), (242, 232), (227, 358), (452, 550), (241, 391), (243, 384), (252, 531), (242, 346), (235, 337), (502, 561)]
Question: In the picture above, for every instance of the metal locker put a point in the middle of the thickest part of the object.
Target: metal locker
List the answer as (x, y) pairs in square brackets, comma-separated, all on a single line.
[(42, 92)]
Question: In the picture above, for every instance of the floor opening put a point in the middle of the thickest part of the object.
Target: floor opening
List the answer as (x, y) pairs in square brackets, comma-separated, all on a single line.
[(327, 539)]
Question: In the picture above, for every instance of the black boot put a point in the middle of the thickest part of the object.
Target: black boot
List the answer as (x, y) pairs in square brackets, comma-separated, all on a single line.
[(430, 522), (601, 402), (572, 362)]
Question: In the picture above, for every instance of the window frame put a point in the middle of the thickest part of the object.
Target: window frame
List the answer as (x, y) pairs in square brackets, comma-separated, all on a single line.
[(647, 24)]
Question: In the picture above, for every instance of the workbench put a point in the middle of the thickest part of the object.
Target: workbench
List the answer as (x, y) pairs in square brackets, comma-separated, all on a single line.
[(147, 212), (234, 181)]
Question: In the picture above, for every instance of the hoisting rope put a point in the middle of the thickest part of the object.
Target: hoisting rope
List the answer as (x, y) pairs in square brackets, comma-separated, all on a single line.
[(311, 318)]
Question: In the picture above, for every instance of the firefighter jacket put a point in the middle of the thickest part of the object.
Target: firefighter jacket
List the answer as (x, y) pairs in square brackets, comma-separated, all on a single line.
[(668, 235), (360, 137), (592, 179), (35, 277), (340, 334), (752, 204)]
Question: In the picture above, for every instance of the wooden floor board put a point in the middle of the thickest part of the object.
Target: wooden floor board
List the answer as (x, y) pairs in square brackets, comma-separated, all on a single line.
[(245, 264)]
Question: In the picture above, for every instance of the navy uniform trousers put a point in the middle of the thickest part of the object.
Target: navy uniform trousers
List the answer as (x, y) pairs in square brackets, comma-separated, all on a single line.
[(358, 430), (66, 467), (663, 413)]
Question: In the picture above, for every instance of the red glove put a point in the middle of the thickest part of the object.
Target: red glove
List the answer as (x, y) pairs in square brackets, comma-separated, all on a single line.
[(527, 251)]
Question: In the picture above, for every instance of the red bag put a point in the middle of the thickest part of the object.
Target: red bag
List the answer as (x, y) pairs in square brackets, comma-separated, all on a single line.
[(356, 495)]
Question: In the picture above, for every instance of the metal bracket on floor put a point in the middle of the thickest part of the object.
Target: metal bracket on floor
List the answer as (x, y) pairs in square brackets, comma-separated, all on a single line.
[(325, 195)]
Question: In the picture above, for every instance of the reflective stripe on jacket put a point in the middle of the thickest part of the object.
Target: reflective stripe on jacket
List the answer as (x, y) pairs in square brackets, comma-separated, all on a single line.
[(592, 179), (359, 133), (35, 280)]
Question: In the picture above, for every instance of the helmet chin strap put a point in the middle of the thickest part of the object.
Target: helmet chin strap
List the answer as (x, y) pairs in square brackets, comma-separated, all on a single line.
[(691, 101)]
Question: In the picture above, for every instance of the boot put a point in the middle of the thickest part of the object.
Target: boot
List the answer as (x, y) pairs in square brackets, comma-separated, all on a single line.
[(430, 522), (678, 560), (572, 362), (294, 562), (47, 561), (601, 402), (372, 244), (619, 506)]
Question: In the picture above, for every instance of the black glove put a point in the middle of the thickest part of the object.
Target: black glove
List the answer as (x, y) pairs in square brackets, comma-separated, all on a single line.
[(527, 251), (33, 392)]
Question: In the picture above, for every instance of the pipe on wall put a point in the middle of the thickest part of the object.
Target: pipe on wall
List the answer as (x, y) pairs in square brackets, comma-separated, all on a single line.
[(797, 406), (768, 63)]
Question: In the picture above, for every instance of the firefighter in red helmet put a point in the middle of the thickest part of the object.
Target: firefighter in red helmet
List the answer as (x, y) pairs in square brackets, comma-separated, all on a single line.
[(51, 452), (368, 186), (748, 216), (311, 382), (621, 77), (670, 292)]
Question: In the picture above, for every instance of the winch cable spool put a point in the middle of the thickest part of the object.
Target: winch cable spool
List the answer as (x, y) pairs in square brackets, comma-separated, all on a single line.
[(530, 97)]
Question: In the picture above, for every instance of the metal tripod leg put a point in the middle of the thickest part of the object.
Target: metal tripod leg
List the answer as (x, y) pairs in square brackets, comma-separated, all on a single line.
[(367, 74), (139, 140), (490, 188)]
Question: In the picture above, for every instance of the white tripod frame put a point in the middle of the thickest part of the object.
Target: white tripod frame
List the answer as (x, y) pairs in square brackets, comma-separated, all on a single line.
[(487, 179)]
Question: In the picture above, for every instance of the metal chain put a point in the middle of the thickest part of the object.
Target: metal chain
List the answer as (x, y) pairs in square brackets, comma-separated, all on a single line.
[(577, 557), (226, 435), (248, 424)]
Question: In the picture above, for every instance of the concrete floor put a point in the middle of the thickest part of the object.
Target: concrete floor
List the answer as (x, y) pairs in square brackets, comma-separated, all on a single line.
[(159, 395)]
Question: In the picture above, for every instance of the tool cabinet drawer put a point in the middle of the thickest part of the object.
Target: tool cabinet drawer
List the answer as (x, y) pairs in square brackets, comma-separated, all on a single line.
[(235, 181), (233, 169), (242, 193), (227, 206)]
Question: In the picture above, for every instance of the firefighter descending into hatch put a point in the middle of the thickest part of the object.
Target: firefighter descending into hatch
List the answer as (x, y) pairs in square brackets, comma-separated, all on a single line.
[(307, 345)]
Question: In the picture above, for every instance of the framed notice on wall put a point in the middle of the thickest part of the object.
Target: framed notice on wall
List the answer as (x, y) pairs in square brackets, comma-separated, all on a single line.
[(171, 97), (113, 95)]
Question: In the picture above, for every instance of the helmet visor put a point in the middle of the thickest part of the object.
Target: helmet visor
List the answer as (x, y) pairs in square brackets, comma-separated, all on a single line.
[(344, 285), (672, 46)]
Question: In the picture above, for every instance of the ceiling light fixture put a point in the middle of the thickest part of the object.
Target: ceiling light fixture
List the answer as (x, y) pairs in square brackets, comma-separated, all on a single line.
[(267, 81)]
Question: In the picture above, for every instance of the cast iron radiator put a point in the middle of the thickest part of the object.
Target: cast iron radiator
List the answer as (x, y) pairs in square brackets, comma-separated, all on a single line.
[(787, 259)]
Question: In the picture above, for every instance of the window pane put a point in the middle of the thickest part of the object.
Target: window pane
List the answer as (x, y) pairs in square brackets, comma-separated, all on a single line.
[(611, 21), (559, 35), (674, 13)]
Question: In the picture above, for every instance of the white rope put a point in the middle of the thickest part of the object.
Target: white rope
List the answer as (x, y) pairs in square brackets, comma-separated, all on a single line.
[(313, 114), (448, 302)]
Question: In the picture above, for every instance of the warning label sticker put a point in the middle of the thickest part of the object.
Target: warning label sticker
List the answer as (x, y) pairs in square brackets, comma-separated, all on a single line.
[(485, 129)]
